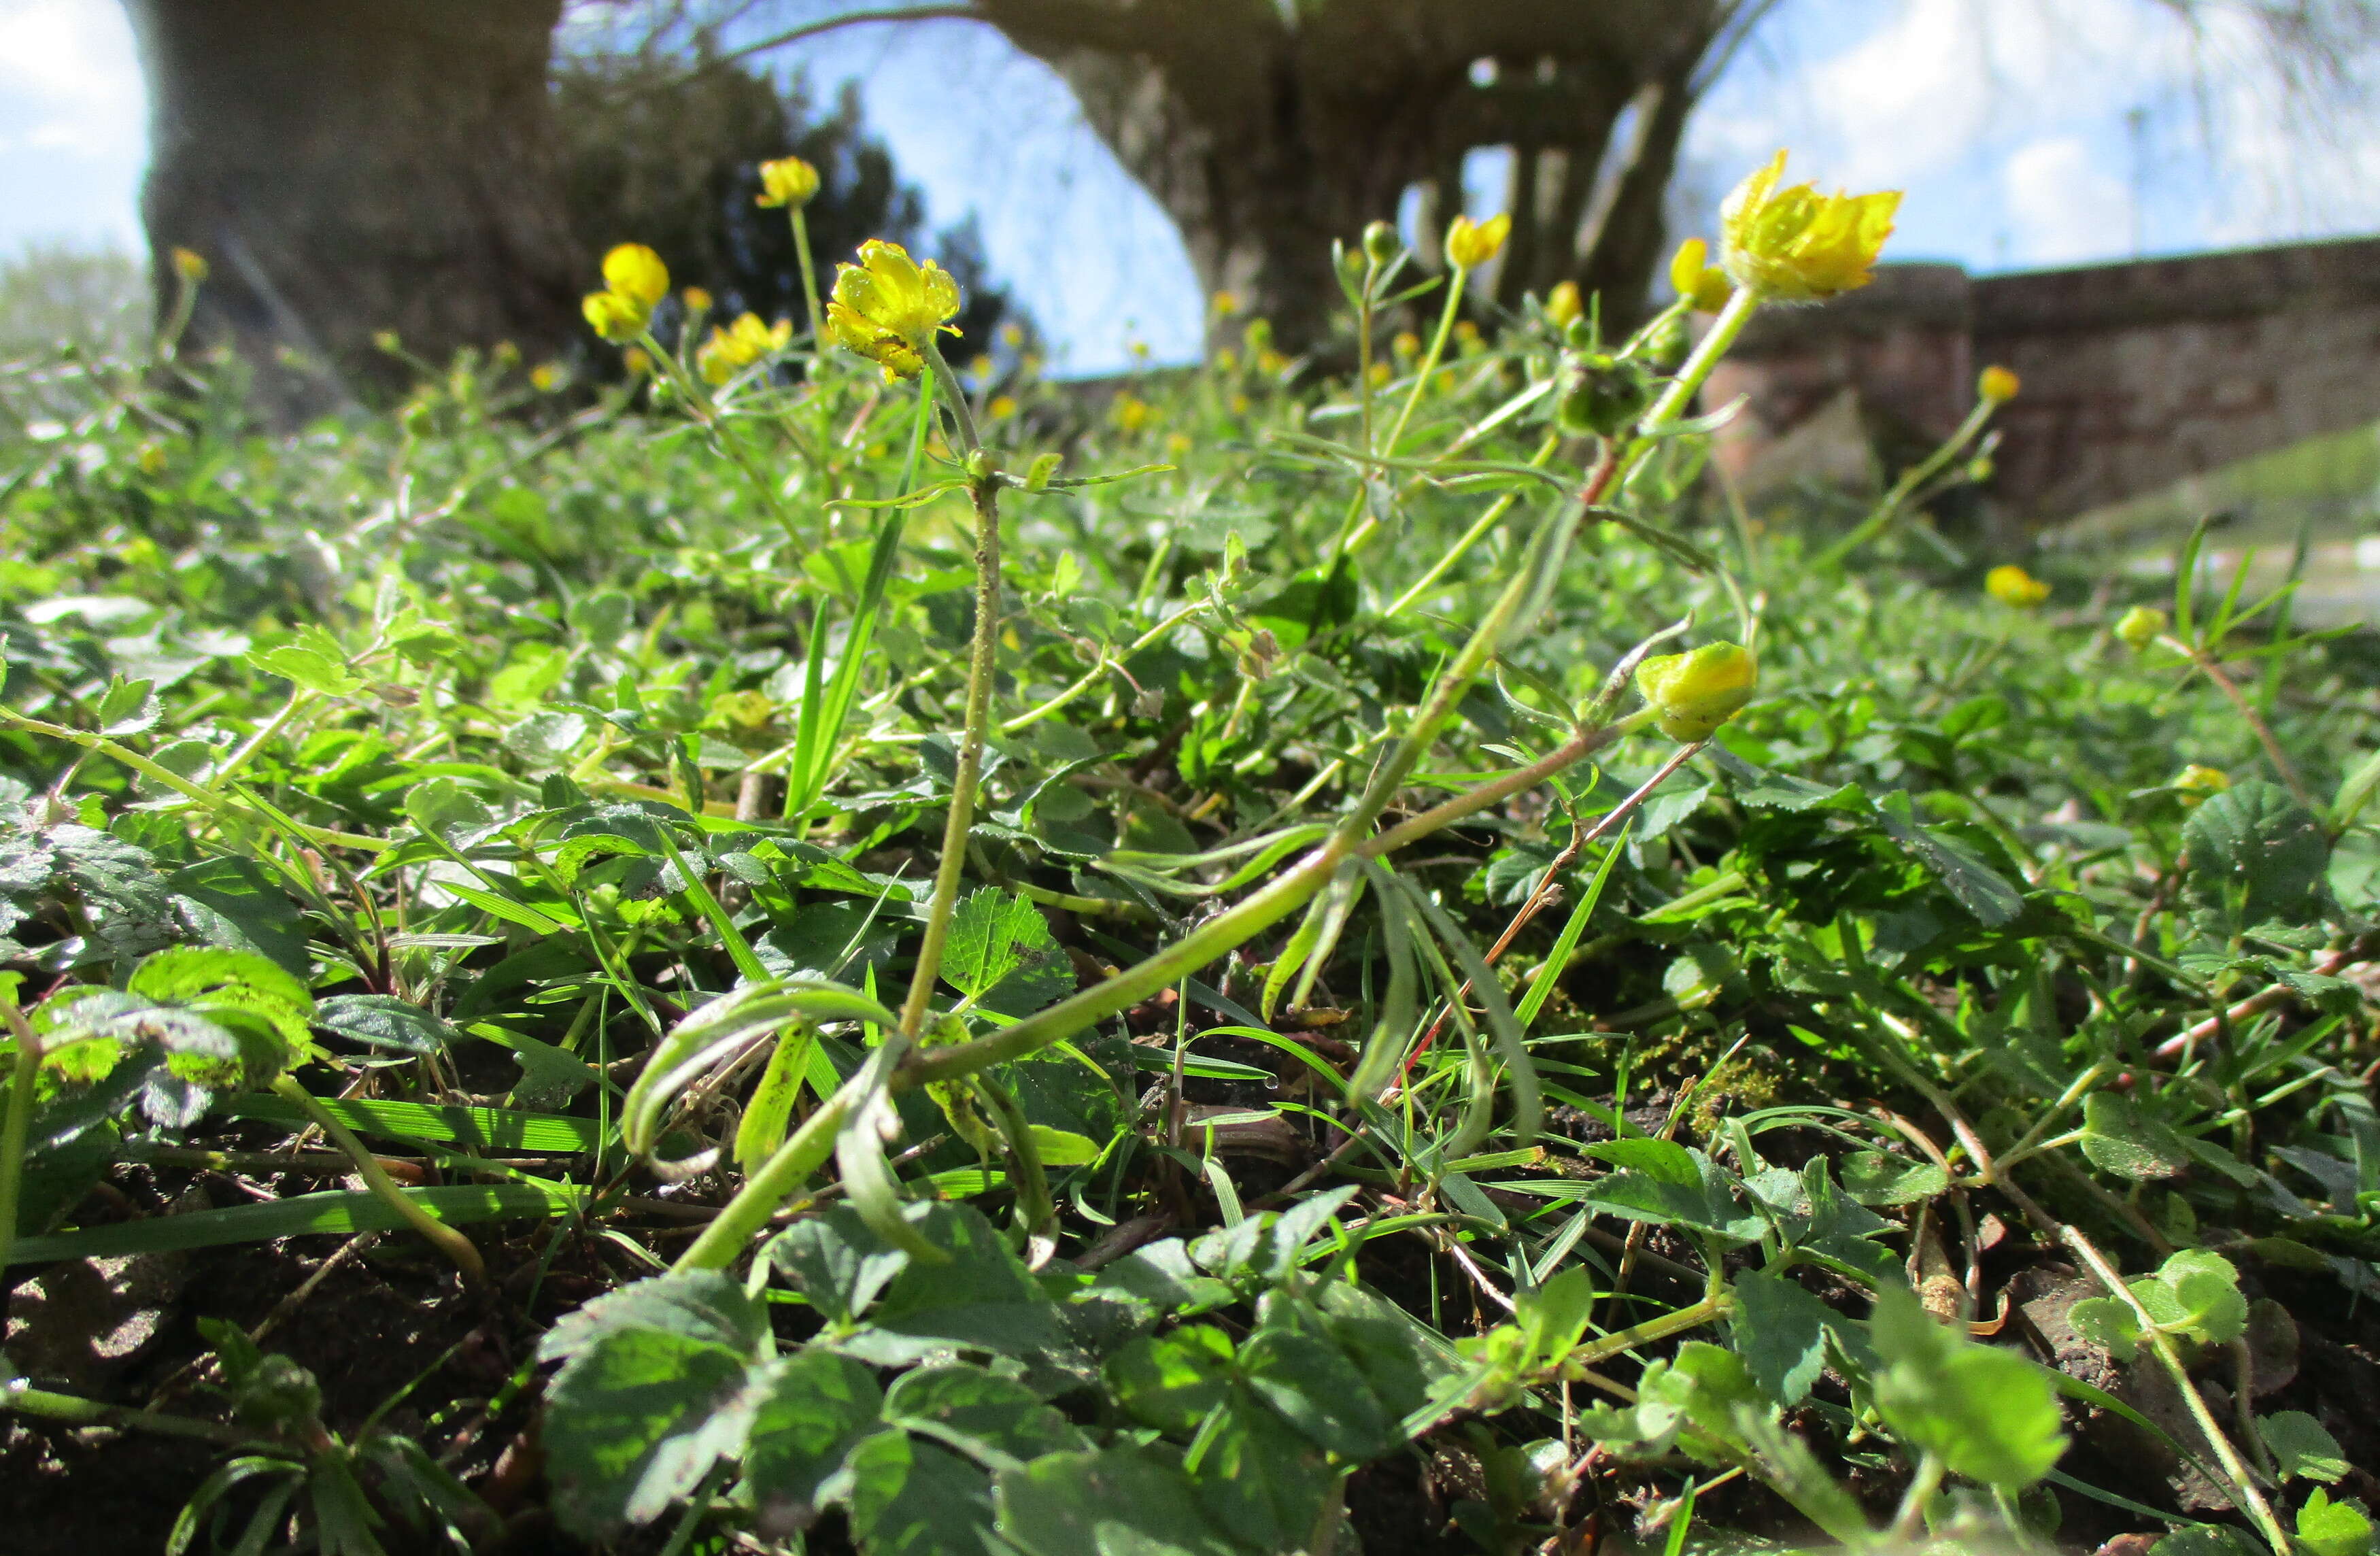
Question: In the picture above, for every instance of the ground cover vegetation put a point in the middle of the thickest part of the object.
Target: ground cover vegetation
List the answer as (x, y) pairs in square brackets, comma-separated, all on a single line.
[(806, 950)]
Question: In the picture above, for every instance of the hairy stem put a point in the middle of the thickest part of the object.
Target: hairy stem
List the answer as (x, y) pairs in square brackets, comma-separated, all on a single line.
[(981, 666)]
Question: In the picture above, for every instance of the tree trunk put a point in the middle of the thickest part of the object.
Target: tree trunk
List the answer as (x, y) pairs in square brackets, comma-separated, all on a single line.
[(350, 166), (1267, 130)]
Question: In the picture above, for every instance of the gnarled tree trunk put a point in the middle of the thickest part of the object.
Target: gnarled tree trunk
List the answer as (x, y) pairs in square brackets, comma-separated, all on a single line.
[(1268, 130), (349, 166)]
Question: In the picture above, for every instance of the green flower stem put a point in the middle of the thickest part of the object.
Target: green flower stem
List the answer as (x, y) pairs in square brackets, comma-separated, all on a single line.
[(77, 1411), (981, 665), (298, 700), (1036, 1210), (1470, 537), (443, 1237), (1097, 672), (1709, 1310), (1679, 398), (779, 1179), (2232, 693), (952, 395), (321, 837), (15, 1128), (1917, 474), (810, 277), (1456, 279), (2242, 1488), (1472, 801), (697, 395)]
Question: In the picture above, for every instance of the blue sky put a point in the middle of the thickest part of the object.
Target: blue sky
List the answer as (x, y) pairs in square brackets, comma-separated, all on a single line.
[(2026, 133)]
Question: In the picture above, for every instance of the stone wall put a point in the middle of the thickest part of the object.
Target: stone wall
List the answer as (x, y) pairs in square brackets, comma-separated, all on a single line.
[(2135, 375)]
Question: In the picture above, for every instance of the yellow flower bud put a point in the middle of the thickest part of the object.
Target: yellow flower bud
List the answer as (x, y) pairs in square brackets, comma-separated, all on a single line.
[(1997, 385), (1696, 692), (546, 377), (1563, 304), (1407, 345), (1380, 375), (887, 307), (696, 298), (1697, 280), (1001, 407), (2140, 626), (786, 181), (1133, 414), (714, 359), (636, 273), (1795, 245), (1471, 244), (386, 340), (152, 459), (2015, 588), (613, 317), (2197, 782), (637, 361), (191, 265), (1225, 304)]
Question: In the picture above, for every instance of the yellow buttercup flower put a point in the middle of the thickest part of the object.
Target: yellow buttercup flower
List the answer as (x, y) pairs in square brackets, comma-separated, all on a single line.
[(636, 273), (1796, 245), (1696, 692), (887, 307), (546, 377), (1563, 304), (696, 298), (2197, 782), (637, 361), (1225, 304), (1997, 385), (786, 181), (613, 317), (2012, 586), (191, 265), (1406, 345), (1132, 413), (1697, 280), (1001, 407), (732, 347), (1471, 244), (2140, 626)]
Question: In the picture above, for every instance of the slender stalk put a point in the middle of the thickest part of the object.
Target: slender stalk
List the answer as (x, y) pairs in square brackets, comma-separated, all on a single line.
[(2224, 684), (2243, 1488), (1917, 474), (1456, 279), (981, 666), (805, 1151), (18, 1125), (1469, 538), (1679, 398), (321, 837), (444, 1238), (809, 279), (77, 1411), (298, 698)]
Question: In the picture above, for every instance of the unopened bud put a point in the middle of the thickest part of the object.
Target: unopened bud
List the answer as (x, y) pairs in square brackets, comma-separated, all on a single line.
[(1380, 243), (1602, 394), (2140, 626), (1695, 693)]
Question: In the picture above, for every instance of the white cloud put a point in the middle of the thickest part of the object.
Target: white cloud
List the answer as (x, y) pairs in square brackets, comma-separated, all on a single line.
[(73, 121), (2067, 209), (68, 68)]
